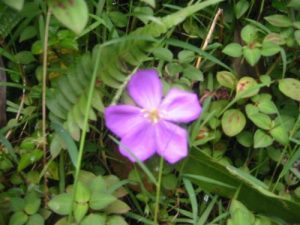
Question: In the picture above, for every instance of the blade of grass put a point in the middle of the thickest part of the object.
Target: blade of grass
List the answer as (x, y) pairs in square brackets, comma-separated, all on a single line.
[(192, 196), (203, 218)]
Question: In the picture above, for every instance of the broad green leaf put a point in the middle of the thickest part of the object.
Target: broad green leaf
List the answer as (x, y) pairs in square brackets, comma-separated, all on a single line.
[(233, 122), (227, 79), (61, 204), (251, 190), (240, 8), (163, 54), (278, 20), (25, 57), (30, 158), (17, 204), (261, 120), (265, 104), (240, 214), (94, 219), (275, 38), (262, 139), (80, 210), (113, 220), (28, 33), (82, 193), (280, 134), (186, 56), (62, 221), (32, 203), (269, 48), (252, 55), (249, 34), (245, 138), (72, 14), (233, 50), (290, 87), (117, 207), (16, 4), (297, 36), (173, 69), (98, 184), (18, 218), (100, 200), (36, 219), (192, 73), (246, 87)]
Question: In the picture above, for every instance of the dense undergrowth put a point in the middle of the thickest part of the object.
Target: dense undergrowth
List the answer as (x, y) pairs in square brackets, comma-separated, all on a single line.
[(65, 61)]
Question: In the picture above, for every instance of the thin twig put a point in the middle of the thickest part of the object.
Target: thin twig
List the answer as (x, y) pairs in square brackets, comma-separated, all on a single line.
[(21, 106), (44, 87), (208, 37)]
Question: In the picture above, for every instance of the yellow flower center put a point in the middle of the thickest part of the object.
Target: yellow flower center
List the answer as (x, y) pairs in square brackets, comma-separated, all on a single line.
[(153, 115)]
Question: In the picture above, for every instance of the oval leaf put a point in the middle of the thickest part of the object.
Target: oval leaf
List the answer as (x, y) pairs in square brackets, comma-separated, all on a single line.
[(226, 79), (233, 122), (278, 20), (94, 219), (290, 87), (73, 14), (262, 139), (233, 50), (61, 204), (246, 87), (252, 55)]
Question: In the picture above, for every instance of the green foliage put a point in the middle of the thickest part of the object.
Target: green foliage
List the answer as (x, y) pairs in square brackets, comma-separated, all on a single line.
[(244, 148), (72, 14), (226, 180), (92, 193)]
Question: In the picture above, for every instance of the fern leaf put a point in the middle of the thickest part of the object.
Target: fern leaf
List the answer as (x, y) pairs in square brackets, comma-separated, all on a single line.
[(67, 102), (133, 52), (8, 20)]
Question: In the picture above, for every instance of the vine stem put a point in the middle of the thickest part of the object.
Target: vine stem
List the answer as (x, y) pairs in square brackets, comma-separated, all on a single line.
[(85, 128), (44, 89), (158, 189)]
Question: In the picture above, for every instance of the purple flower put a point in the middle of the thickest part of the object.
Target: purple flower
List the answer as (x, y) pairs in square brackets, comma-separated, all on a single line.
[(148, 128)]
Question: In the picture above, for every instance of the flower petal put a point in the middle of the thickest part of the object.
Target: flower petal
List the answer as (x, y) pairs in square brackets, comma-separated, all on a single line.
[(123, 119), (180, 106), (171, 141), (140, 143), (145, 89)]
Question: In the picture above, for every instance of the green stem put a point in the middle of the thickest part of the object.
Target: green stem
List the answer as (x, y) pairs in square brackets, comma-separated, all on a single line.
[(62, 181), (158, 189), (44, 89), (85, 128)]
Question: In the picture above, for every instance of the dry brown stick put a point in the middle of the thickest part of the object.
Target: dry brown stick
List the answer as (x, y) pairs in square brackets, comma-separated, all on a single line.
[(208, 37)]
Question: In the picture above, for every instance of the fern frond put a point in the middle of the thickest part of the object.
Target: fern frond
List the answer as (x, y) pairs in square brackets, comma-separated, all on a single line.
[(67, 101), (134, 52), (8, 20)]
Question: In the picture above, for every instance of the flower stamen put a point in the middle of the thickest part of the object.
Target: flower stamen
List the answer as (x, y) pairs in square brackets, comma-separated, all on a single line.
[(153, 115)]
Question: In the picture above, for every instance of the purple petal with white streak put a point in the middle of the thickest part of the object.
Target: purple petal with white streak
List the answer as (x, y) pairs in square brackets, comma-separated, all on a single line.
[(123, 119), (180, 106), (139, 144), (145, 89), (171, 141)]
